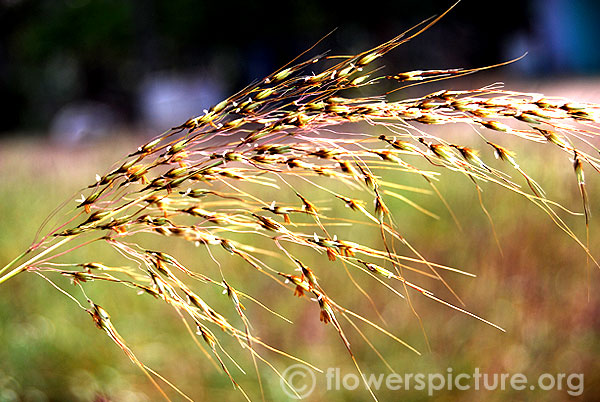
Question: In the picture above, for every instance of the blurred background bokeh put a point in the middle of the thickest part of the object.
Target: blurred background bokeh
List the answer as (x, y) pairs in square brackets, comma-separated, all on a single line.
[(84, 81), (81, 68)]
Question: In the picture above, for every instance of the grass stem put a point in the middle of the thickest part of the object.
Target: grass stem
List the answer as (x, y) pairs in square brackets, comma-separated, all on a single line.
[(24, 266)]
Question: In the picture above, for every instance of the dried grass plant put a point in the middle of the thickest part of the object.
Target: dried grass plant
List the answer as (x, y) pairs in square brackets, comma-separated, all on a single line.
[(309, 140)]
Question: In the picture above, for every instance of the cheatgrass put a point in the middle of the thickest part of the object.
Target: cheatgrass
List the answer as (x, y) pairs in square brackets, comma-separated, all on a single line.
[(258, 178)]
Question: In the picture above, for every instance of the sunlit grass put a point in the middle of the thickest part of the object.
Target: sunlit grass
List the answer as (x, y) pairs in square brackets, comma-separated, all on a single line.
[(539, 285), (300, 185)]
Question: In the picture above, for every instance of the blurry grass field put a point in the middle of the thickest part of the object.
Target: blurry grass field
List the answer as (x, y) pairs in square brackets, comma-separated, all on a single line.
[(537, 291)]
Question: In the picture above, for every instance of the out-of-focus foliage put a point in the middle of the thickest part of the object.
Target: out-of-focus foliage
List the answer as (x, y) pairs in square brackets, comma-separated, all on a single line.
[(56, 52), (537, 291)]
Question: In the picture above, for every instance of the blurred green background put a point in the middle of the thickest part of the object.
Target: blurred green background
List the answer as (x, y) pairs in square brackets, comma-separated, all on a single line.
[(83, 78), (537, 291), (81, 68)]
